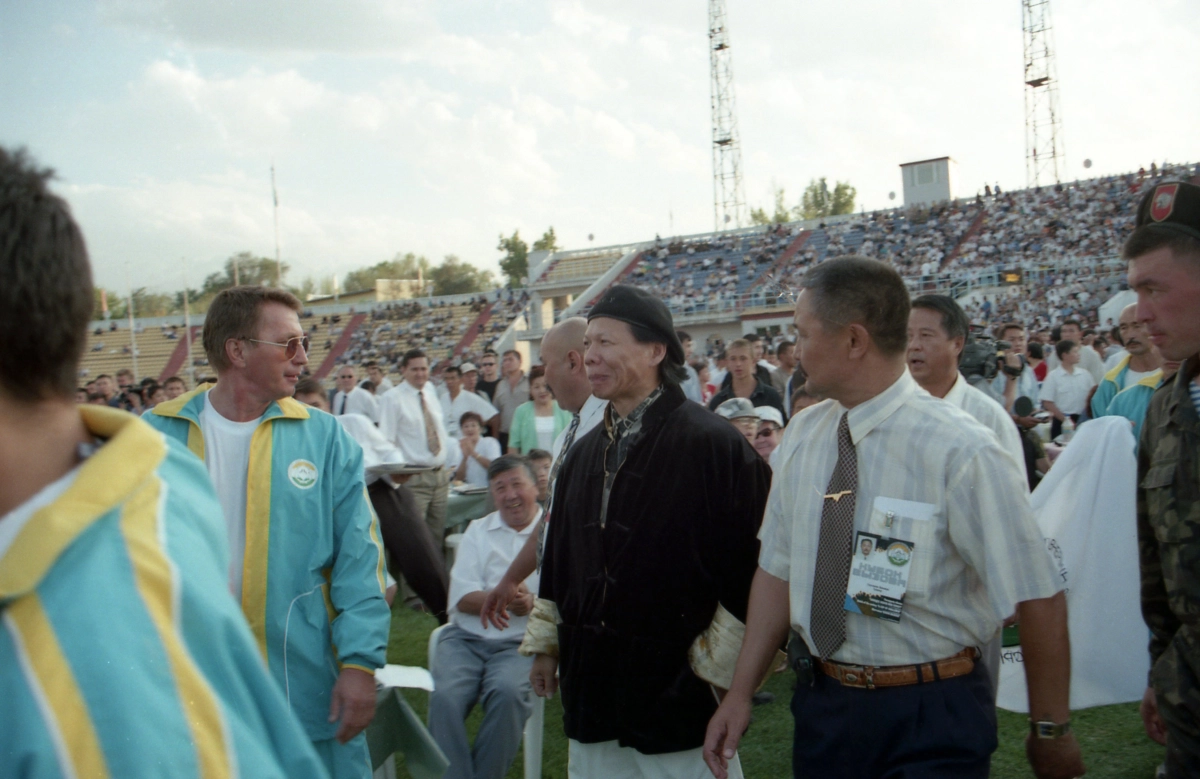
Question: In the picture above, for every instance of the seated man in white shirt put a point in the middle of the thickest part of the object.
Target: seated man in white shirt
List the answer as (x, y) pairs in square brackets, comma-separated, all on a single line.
[(471, 664)]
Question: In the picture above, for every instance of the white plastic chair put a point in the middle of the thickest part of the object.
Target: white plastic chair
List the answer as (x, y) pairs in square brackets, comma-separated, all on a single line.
[(534, 726)]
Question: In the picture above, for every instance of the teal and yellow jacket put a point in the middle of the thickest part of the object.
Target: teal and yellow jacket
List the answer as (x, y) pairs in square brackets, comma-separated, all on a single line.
[(121, 652), (313, 575), (1132, 402), (1111, 385)]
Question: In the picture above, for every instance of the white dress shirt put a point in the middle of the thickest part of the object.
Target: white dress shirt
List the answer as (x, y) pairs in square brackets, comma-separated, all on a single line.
[(589, 416), (356, 401), (466, 401), (1068, 391), (930, 474), (402, 423), (990, 414), (377, 450), (487, 549)]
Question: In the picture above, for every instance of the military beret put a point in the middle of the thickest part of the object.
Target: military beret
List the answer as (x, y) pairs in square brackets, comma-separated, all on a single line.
[(1172, 206)]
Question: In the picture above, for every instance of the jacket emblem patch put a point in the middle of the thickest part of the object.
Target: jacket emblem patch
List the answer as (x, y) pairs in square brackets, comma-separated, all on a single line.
[(302, 473)]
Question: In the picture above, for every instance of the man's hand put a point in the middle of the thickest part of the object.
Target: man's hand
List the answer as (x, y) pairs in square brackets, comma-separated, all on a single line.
[(725, 730), (523, 603), (1026, 422), (1054, 758), (353, 702), (544, 676), (495, 605), (1156, 729)]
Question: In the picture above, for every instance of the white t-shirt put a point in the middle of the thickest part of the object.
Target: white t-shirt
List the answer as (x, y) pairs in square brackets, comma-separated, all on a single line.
[(545, 432), (227, 457), (489, 449), (1133, 377)]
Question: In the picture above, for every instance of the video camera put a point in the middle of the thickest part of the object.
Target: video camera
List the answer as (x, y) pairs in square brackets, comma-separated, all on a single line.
[(982, 356)]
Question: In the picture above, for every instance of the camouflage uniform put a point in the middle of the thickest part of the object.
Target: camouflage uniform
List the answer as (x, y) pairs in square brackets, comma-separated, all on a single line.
[(1168, 516)]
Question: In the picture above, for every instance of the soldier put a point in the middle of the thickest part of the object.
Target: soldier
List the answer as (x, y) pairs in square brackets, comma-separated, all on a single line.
[(1164, 270)]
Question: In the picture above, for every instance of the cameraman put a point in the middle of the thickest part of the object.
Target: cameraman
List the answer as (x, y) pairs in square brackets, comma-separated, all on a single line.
[(1016, 378)]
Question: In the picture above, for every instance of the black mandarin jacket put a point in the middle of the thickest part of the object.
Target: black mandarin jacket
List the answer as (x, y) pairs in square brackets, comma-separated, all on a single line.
[(681, 537)]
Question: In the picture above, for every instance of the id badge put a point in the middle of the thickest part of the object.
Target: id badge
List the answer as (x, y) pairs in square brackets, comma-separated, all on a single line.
[(878, 576)]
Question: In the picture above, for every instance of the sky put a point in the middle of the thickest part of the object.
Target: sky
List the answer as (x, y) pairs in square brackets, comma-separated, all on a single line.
[(433, 127)]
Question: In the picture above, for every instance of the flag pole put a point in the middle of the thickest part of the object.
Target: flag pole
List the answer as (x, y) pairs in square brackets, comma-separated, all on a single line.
[(275, 198)]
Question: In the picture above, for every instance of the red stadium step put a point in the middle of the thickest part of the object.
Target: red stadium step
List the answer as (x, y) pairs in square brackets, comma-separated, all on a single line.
[(339, 348), (179, 356)]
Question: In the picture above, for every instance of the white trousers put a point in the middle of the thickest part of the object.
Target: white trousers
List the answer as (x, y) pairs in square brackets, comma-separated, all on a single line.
[(608, 760)]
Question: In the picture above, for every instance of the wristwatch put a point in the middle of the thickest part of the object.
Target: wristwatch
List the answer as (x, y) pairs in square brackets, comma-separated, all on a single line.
[(1048, 730)]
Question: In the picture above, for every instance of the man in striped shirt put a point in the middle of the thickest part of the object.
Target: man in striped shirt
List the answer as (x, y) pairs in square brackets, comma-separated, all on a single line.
[(121, 651), (944, 505)]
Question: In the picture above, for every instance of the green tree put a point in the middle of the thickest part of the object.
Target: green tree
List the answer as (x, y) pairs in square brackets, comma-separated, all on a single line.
[(548, 242), (251, 270), (116, 303), (147, 303), (402, 266), (455, 277), (515, 264), (759, 216), (818, 202)]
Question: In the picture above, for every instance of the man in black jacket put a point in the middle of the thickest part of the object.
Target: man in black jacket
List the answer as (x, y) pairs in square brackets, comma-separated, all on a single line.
[(648, 565)]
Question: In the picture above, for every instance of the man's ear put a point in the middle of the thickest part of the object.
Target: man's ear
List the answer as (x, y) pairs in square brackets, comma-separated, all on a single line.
[(858, 341), (235, 352)]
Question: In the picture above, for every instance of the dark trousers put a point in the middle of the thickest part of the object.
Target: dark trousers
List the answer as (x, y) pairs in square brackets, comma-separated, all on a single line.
[(920, 731), (414, 553)]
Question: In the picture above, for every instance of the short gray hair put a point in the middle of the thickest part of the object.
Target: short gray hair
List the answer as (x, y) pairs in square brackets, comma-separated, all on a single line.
[(854, 289), (510, 462)]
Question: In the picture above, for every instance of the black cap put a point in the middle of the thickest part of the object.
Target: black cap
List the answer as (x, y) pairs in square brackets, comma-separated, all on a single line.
[(638, 307), (1172, 206)]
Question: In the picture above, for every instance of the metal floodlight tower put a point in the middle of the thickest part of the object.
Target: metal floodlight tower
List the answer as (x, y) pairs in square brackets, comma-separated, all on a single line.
[(729, 203), (1044, 155)]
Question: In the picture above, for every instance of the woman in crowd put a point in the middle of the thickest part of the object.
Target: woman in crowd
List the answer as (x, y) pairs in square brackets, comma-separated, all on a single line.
[(537, 422), (477, 452)]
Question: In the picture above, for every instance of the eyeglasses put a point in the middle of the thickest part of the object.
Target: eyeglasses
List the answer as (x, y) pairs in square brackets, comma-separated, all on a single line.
[(289, 346), (766, 432)]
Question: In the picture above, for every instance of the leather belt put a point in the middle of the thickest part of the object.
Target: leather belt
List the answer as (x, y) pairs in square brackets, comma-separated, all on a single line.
[(869, 677)]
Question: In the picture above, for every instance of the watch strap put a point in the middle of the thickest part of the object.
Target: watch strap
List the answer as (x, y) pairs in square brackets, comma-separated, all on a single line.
[(1048, 730)]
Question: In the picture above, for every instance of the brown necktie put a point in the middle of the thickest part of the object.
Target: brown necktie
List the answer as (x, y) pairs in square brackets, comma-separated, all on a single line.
[(834, 549), (431, 436)]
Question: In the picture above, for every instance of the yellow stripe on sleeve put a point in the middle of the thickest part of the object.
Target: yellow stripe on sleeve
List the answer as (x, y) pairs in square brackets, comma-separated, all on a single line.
[(379, 569), (156, 582), (258, 535), (54, 685)]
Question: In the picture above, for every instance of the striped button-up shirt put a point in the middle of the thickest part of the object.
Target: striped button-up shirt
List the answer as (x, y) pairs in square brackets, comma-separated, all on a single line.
[(930, 474)]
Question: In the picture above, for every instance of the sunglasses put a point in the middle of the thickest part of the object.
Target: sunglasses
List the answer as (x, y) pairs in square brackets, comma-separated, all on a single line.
[(289, 346), (766, 432)]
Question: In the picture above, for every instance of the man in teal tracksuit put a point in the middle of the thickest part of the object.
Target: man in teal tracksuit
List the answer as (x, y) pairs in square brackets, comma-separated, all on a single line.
[(121, 652), (306, 556), (1126, 389)]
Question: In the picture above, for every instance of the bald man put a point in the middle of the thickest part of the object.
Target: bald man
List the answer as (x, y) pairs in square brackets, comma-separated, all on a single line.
[(562, 355)]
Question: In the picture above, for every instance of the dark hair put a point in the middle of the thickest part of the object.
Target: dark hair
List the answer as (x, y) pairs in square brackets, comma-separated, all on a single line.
[(670, 371), (779, 347), (370, 364), (174, 380), (1036, 351), (854, 289), (234, 313), (1004, 328), (1069, 322), (538, 454), (682, 335), (411, 354), (45, 284), (513, 352), (954, 319), (457, 371), (1062, 347), (537, 372), (1148, 238), (468, 416), (752, 337), (510, 462), (306, 387)]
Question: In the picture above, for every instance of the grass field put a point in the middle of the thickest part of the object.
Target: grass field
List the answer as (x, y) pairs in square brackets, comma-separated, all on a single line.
[(1114, 745)]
